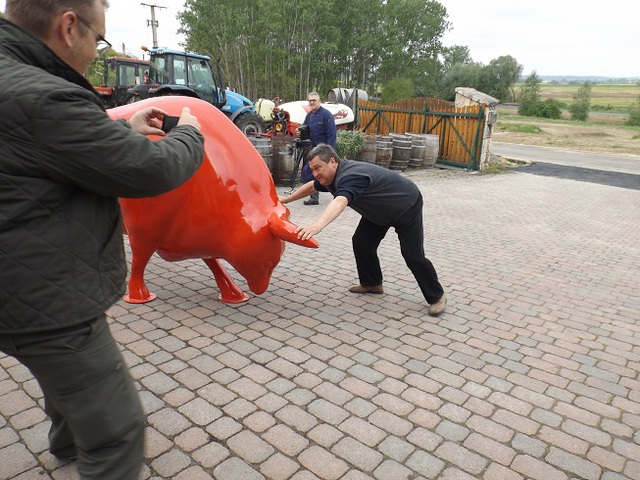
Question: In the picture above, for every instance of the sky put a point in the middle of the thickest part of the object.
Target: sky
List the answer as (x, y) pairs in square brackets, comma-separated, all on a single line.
[(552, 37)]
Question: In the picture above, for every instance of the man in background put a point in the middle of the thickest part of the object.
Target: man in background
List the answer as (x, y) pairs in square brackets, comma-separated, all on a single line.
[(322, 129)]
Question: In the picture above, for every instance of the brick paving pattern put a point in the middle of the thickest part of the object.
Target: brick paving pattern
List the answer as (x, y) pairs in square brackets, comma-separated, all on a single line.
[(531, 373)]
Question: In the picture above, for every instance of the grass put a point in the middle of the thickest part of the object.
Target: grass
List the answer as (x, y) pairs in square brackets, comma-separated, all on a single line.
[(605, 97), (493, 168), (510, 114), (520, 128)]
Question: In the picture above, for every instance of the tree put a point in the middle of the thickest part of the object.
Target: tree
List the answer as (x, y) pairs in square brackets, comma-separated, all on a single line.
[(530, 95), (499, 77), (270, 48), (581, 103), (397, 89), (460, 75), (456, 55), (634, 113)]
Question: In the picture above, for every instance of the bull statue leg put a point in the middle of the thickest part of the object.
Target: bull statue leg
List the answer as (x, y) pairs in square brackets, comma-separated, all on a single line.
[(229, 291), (138, 291)]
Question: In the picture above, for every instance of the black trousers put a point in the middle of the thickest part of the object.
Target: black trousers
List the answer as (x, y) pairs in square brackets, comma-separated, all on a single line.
[(409, 228), (89, 396)]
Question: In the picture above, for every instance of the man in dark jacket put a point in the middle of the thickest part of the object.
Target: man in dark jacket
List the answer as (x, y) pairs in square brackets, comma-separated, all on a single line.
[(385, 199), (322, 129), (63, 163)]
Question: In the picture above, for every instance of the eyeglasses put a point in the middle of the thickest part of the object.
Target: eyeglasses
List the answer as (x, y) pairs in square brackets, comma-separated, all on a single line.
[(102, 45), (312, 100)]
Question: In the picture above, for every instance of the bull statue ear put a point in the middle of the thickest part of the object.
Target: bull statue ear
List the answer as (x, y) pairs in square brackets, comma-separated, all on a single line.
[(285, 230)]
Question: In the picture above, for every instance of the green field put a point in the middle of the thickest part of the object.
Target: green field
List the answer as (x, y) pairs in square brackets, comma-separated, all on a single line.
[(605, 97)]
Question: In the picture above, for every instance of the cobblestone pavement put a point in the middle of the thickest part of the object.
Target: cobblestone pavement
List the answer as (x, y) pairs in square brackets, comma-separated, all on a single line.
[(531, 373)]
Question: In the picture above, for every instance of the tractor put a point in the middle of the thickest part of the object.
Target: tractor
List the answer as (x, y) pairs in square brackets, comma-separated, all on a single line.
[(173, 72), (120, 74)]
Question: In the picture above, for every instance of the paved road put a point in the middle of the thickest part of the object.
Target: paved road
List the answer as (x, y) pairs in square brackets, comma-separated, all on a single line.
[(531, 373), (597, 161), (616, 170)]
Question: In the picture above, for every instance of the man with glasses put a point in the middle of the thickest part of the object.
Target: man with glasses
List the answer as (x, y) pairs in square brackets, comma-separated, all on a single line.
[(322, 129), (63, 163)]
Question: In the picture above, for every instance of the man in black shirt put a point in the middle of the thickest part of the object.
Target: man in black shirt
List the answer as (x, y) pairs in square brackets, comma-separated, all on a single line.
[(385, 199)]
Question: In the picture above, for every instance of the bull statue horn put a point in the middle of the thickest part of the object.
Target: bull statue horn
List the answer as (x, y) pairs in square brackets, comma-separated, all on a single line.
[(285, 230)]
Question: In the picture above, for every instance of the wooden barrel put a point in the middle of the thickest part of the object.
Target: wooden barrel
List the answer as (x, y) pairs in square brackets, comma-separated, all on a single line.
[(432, 147), (263, 146), (383, 156), (283, 168), (417, 149), (401, 152), (282, 160), (368, 152)]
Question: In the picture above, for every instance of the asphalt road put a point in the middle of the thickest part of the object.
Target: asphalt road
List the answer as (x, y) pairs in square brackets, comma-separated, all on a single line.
[(608, 169)]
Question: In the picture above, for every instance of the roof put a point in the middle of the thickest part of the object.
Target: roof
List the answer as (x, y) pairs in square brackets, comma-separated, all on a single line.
[(162, 51), (476, 96)]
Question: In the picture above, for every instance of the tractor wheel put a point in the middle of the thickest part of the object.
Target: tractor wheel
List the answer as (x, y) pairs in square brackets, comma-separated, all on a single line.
[(250, 124), (132, 98)]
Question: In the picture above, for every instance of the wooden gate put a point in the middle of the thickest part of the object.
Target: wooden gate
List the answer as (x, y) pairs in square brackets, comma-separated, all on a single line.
[(460, 129)]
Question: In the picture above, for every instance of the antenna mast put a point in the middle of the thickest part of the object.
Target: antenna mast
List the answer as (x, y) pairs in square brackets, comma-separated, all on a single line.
[(153, 22)]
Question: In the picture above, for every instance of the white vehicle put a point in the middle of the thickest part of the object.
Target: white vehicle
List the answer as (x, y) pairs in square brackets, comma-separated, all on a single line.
[(287, 117)]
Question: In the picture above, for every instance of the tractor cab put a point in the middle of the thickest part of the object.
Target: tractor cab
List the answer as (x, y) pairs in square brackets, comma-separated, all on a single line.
[(121, 74), (173, 72)]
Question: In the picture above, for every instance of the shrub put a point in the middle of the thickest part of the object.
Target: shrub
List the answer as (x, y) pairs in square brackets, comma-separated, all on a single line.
[(581, 103), (634, 114), (550, 108), (349, 143), (530, 95), (397, 89)]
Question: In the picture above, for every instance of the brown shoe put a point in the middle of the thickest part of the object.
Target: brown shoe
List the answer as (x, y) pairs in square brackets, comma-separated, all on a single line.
[(437, 308), (363, 289)]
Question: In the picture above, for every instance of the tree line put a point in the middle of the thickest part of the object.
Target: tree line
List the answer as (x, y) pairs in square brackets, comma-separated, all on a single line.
[(391, 48), (272, 48)]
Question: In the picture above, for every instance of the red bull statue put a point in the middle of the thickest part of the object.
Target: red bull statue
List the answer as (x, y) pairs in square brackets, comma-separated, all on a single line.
[(228, 210)]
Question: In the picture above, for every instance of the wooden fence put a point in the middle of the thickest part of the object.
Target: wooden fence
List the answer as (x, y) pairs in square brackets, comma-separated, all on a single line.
[(459, 129)]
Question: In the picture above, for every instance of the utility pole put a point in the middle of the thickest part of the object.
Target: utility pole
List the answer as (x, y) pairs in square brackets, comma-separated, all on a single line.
[(153, 22)]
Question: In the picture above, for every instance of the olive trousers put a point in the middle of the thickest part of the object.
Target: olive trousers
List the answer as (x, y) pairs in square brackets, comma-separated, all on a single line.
[(89, 396)]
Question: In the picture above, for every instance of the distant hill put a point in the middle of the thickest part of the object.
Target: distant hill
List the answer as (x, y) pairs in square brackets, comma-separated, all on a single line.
[(582, 79)]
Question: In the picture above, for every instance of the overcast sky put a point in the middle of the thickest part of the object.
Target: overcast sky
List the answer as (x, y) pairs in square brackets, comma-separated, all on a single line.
[(553, 37)]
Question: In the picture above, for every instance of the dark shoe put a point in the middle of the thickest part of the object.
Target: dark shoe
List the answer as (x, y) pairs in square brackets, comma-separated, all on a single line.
[(311, 201), (437, 308), (364, 289), (66, 458), (67, 453)]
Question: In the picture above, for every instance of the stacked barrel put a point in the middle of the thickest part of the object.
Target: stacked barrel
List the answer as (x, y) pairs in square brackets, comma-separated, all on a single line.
[(369, 148), (399, 151), (263, 146), (394, 151), (277, 152), (384, 151)]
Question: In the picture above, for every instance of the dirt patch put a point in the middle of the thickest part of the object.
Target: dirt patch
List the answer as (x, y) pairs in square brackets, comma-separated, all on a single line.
[(588, 137)]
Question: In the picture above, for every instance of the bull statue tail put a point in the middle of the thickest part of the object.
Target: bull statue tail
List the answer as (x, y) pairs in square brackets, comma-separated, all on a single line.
[(285, 230)]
